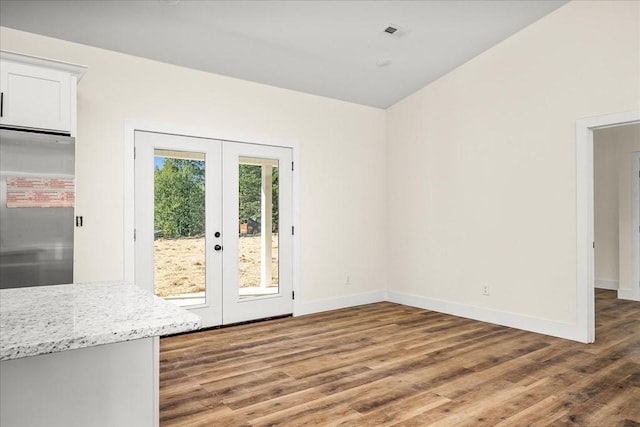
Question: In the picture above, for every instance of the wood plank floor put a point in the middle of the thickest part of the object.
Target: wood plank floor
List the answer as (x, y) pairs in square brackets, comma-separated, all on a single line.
[(386, 364)]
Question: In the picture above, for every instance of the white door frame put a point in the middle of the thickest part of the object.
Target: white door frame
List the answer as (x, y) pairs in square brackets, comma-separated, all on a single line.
[(634, 292), (131, 126), (585, 235)]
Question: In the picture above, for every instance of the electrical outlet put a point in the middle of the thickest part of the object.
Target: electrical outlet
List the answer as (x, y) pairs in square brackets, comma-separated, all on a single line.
[(348, 281), (485, 290)]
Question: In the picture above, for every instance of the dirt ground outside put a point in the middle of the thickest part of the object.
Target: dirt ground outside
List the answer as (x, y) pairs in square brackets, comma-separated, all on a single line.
[(180, 265)]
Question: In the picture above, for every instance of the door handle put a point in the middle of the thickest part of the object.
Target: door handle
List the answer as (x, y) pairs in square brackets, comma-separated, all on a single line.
[(217, 247)]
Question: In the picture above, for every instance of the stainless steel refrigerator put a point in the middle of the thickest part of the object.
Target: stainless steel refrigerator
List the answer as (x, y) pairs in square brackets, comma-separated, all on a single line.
[(37, 195)]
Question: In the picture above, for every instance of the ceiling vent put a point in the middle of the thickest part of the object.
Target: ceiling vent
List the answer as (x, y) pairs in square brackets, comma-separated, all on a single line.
[(395, 30)]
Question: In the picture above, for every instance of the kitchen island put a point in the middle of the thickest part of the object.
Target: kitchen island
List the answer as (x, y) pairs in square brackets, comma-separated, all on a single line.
[(83, 354)]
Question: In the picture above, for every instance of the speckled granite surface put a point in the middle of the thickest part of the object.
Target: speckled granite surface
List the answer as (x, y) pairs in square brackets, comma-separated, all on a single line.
[(49, 319)]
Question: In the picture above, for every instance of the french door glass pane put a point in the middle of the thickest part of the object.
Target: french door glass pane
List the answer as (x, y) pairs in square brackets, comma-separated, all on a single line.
[(258, 227), (179, 226)]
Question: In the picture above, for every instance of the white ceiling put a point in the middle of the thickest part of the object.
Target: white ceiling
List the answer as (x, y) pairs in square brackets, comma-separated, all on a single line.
[(328, 48)]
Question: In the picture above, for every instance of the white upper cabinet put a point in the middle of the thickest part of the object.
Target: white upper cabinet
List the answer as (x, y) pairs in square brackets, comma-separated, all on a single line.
[(38, 93)]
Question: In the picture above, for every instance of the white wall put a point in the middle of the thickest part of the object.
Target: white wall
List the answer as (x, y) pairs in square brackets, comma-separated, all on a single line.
[(605, 192), (613, 148), (341, 148), (481, 164)]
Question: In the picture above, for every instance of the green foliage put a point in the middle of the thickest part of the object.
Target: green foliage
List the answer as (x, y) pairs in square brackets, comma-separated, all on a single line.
[(250, 189), (179, 198)]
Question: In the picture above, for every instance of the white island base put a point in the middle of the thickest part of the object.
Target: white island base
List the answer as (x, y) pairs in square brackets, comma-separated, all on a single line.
[(83, 355), (105, 385)]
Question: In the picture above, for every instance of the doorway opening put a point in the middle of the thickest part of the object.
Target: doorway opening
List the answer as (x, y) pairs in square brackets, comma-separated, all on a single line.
[(616, 175), (585, 229)]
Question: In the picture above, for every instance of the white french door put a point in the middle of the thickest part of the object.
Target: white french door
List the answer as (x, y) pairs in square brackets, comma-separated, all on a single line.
[(258, 270), (213, 226)]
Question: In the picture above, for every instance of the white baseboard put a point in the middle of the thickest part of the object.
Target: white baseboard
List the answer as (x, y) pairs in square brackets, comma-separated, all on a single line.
[(503, 318), (612, 285), (513, 320), (629, 294), (327, 304)]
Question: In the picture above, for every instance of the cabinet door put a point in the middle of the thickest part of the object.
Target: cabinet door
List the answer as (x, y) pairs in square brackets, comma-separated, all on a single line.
[(35, 97)]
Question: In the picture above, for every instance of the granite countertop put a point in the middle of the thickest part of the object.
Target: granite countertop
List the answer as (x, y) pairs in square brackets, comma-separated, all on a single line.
[(48, 319)]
